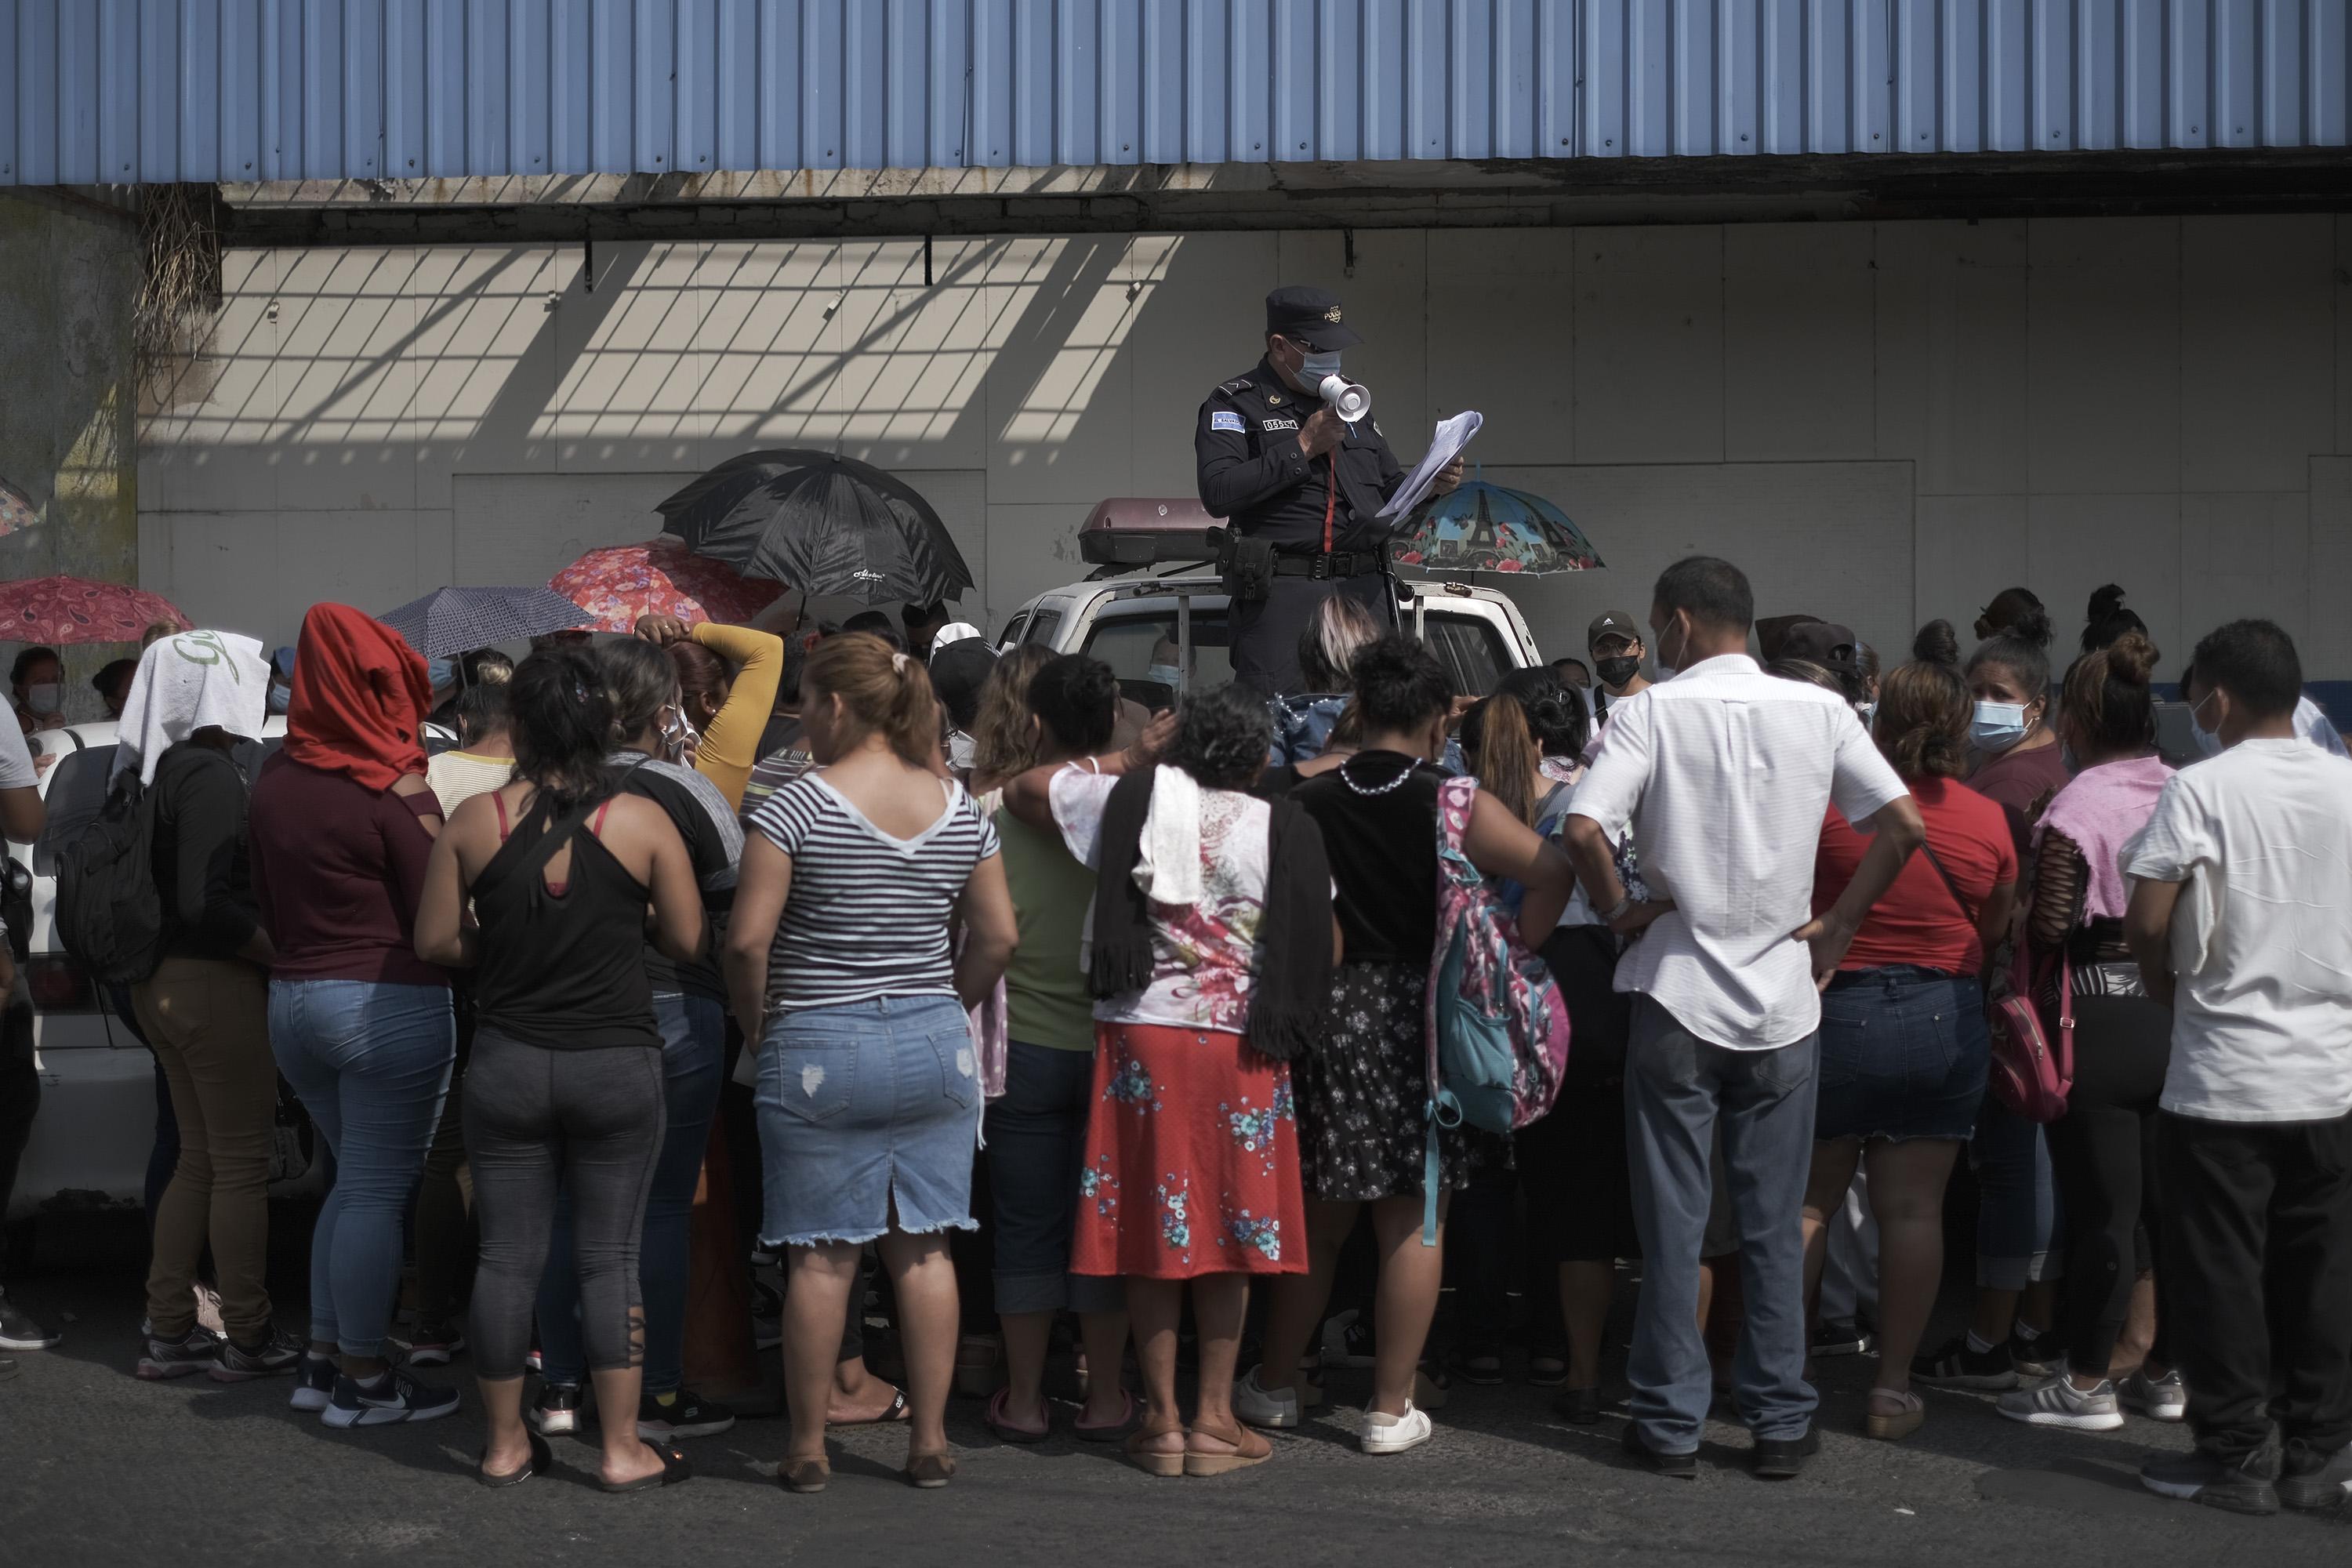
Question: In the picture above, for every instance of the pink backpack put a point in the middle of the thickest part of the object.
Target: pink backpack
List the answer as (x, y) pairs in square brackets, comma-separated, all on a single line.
[(1497, 1026), (2031, 1073)]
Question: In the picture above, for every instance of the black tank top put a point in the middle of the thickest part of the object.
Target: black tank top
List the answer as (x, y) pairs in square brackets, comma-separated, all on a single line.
[(566, 970)]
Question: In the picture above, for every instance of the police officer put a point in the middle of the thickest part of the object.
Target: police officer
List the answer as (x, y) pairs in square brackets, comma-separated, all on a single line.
[(1290, 474)]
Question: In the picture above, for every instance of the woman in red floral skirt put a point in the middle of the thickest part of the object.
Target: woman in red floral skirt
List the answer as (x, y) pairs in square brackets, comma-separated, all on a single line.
[(1211, 947)]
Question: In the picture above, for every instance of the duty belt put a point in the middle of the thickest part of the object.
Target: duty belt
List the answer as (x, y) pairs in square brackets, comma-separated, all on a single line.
[(1322, 565)]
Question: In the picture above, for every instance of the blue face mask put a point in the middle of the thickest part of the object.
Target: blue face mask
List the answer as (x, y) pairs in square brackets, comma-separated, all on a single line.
[(1167, 675), (281, 697), (1997, 726), (2209, 742)]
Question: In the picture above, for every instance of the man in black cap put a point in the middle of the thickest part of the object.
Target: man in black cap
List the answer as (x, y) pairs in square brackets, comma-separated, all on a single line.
[(1302, 488), (1614, 641)]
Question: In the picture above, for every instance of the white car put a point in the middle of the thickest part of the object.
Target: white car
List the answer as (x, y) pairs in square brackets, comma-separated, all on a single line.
[(1154, 598), (96, 1126)]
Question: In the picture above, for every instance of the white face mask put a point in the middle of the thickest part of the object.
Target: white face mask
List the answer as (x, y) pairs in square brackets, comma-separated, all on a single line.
[(2209, 742), (42, 697), (1167, 675)]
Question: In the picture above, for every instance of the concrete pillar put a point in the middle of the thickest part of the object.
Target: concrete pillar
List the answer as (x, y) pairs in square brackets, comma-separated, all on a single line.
[(69, 278)]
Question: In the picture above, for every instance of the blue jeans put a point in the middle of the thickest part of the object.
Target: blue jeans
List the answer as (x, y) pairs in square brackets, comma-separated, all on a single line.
[(2018, 1218), (1037, 1147), (694, 1047), (371, 1062), (1678, 1090)]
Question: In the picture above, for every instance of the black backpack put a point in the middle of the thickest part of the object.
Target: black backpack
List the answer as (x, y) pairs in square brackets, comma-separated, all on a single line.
[(109, 914)]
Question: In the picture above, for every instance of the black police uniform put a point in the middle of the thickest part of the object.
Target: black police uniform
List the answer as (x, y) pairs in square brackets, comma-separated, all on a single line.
[(1251, 471)]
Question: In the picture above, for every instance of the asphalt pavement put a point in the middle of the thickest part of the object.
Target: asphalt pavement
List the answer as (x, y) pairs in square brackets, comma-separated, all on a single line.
[(99, 1467)]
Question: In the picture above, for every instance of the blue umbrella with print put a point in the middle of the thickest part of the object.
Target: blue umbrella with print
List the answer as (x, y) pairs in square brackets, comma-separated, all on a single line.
[(1482, 527), (450, 621)]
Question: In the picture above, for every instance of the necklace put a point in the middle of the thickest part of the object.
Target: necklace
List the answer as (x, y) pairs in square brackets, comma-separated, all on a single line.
[(1377, 789)]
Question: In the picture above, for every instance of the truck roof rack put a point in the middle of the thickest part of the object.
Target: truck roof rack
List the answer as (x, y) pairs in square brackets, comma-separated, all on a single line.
[(1127, 531)]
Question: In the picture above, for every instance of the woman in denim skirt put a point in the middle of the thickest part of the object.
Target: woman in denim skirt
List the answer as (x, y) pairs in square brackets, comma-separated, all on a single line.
[(839, 962), (1904, 1049)]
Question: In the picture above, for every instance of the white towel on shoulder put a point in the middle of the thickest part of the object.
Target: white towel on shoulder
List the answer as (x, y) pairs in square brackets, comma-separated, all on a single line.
[(194, 682), (1168, 870)]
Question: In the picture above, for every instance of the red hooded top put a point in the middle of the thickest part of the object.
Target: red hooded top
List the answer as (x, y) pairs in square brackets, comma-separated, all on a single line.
[(361, 695)]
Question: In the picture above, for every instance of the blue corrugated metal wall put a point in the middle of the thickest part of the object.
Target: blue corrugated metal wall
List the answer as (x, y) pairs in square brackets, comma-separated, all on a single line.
[(130, 90)]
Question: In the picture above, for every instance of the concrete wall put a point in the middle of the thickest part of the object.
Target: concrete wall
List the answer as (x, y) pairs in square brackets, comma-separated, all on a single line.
[(68, 277), (1883, 422)]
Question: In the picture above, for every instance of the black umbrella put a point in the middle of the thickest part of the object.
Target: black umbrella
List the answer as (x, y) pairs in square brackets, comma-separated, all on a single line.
[(455, 620), (821, 524)]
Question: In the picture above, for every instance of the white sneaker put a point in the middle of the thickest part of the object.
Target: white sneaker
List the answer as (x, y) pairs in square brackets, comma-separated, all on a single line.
[(1395, 1434), (2163, 1398), (2058, 1403), (1253, 1403)]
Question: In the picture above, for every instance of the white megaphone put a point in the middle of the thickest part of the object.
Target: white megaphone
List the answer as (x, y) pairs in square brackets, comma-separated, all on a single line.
[(1351, 401)]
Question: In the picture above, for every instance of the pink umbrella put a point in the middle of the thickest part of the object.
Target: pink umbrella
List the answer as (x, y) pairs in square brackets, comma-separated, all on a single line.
[(662, 577), (76, 610)]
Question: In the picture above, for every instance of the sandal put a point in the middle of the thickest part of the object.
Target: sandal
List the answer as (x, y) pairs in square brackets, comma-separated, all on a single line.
[(808, 1475), (898, 1411), (1246, 1449), (1010, 1431), (1107, 1431), (1547, 1368), (542, 1459), (1902, 1421), (676, 1468), (1309, 1384), (927, 1472), (1154, 1461)]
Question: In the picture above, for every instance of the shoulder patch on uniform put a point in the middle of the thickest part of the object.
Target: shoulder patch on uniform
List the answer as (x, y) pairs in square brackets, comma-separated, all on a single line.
[(1225, 419), (1239, 383)]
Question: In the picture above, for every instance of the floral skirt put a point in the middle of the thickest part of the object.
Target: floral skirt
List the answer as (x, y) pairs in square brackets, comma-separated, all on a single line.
[(1363, 1098), (1192, 1159)]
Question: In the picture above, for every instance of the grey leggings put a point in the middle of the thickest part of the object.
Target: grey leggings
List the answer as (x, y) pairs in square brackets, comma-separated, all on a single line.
[(588, 1119)]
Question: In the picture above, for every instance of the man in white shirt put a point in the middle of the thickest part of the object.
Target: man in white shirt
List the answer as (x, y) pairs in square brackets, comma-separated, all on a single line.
[(21, 816), (1726, 774), (2241, 917)]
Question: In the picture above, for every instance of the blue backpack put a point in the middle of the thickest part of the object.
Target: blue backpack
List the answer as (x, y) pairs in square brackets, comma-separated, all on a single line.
[(1497, 1028)]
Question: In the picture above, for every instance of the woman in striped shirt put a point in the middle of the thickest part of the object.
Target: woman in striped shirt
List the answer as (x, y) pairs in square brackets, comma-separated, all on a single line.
[(839, 962)]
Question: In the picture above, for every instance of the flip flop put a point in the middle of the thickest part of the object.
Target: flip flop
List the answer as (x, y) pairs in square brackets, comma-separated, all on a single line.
[(676, 1468), (899, 1411), (542, 1459), (1108, 1432), (1007, 1431)]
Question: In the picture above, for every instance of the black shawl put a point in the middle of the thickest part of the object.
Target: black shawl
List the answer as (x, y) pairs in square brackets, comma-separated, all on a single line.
[(1286, 1005)]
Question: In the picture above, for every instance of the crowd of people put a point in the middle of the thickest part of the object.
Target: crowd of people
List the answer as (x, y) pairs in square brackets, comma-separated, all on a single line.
[(1080, 1020)]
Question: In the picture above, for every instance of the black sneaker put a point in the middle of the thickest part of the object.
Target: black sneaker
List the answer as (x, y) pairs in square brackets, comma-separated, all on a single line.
[(686, 1414), (199, 1351), (2199, 1477), (314, 1382), (556, 1411), (1681, 1466), (1783, 1458), (391, 1396), (278, 1351), (1955, 1365), (19, 1333), (2035, 1355), (1355, 1346), (433, 1344), (2316, 1481), (1843, 1336)]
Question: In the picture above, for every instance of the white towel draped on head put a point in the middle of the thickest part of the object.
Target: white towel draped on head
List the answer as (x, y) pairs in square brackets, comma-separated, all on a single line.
[(1169, 868), (194, 682)]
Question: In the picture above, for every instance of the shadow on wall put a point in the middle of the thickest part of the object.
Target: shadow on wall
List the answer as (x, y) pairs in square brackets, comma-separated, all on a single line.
[(69, 278)]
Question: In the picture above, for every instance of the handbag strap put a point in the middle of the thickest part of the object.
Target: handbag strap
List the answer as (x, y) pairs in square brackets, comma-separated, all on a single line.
[(1949, 886)]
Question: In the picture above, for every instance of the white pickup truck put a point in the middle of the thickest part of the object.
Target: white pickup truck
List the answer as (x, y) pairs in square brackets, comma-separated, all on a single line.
[(1153, 590)]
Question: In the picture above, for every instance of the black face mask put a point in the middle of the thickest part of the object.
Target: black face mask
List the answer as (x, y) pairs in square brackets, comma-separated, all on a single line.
[(1617, 671)]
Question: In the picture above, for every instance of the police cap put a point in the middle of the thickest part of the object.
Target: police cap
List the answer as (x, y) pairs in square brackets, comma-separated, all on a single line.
[(1310, 316)]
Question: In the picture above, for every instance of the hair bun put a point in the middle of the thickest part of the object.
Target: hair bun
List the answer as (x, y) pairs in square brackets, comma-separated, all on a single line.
[(1937, 643), (2131, 659)]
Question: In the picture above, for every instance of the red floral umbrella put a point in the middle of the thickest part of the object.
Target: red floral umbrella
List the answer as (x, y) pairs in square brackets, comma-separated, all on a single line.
[(660, 578), (76, 610)]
